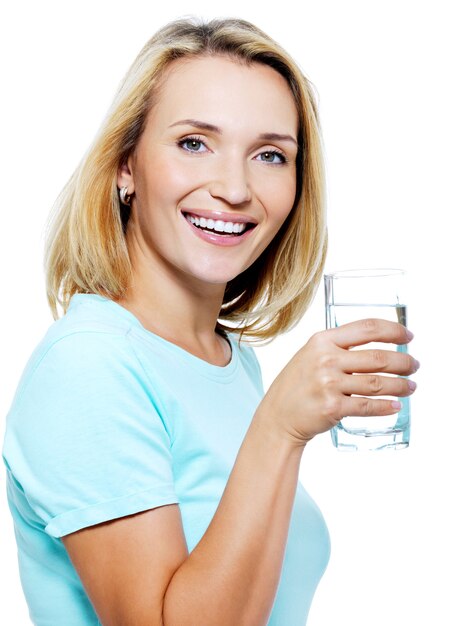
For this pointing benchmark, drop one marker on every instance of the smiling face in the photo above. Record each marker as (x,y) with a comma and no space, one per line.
(213,173)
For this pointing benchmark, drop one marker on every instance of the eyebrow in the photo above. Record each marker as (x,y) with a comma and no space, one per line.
(216,129)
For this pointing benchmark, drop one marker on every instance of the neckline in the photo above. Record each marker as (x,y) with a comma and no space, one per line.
(204,367)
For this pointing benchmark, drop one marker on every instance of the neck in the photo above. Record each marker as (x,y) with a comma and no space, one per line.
(178,308)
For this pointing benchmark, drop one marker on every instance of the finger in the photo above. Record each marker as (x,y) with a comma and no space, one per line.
(364,331)
(373,385)
(367,407)
(371,361)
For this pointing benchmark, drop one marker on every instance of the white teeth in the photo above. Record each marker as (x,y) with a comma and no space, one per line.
(217,225)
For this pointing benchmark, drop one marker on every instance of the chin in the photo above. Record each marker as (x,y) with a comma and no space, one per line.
(215,275)
(217,278)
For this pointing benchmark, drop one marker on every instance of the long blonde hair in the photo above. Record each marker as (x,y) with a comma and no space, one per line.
(86,249)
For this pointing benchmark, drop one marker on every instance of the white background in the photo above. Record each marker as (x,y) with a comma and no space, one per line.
(392,79)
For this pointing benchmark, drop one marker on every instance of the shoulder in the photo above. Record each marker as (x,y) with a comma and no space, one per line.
(92,314)
(89,317)
(84,436)
(90,342)
(245,351)
(249,359)
(83,380)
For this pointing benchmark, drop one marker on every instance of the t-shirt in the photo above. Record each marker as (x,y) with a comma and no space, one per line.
(110,419)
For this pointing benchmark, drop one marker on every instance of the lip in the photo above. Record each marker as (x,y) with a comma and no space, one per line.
(220,215)
(218,240)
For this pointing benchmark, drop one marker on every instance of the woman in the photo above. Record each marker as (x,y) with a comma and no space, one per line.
(149,480)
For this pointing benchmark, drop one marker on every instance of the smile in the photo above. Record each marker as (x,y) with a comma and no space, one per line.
(219,231)
(220,226)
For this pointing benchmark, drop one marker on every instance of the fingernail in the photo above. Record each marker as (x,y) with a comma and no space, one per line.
(396,404)
(409,334)
(417,365)
(411,385)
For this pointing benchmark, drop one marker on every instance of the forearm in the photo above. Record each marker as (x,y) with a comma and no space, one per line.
(231,576)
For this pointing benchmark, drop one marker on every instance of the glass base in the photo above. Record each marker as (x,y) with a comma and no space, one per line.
(357,440)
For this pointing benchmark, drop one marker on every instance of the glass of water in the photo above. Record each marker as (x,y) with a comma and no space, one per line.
(352,295)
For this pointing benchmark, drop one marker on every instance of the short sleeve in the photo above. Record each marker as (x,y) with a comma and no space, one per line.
(86,441)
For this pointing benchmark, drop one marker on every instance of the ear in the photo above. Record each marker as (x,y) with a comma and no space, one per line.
(125,176)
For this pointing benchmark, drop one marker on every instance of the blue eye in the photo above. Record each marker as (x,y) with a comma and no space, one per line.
(192,144)
(272,156)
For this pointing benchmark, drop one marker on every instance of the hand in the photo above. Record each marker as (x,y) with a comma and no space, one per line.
(314,391)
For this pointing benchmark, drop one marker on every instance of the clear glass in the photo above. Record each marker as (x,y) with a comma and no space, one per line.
(369,293)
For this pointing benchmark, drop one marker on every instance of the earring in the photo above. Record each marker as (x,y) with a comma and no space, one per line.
(125,199)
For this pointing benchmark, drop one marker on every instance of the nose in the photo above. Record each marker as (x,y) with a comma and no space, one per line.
(230,183)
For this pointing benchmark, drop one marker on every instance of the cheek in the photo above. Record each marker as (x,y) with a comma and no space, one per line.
(279,199)
(166,182)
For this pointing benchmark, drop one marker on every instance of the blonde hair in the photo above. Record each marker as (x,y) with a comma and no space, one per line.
(86,249)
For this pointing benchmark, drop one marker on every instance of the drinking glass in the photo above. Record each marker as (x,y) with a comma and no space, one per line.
(369,293)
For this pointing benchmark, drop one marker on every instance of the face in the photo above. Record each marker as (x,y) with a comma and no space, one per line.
(214,172)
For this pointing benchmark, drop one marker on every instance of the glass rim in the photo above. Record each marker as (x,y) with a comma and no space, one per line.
(370,272)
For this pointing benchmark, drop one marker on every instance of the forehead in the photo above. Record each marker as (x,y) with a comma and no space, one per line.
(228,91)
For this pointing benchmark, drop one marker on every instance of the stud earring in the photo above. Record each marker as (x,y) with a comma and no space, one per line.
(125,199)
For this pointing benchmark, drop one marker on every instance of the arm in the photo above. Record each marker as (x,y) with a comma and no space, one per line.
(137,571)
(231,577)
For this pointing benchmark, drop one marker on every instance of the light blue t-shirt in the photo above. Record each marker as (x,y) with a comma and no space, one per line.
(108,420)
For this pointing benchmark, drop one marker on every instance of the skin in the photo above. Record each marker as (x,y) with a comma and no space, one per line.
(232,170)
(137,570)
